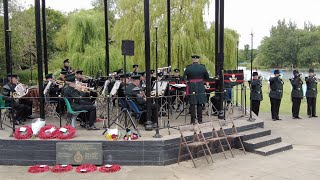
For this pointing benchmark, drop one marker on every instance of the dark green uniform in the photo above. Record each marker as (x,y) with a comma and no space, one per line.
(256,95)
(134,93)
(196,74)
(276,92)
(311,95)
(296,95)
(22,111)
(78,104)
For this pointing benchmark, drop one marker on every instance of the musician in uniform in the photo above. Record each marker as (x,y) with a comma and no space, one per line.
(176,74)
(66,67)
(143,83)
(134,92)
(276,93)
(296,94)
(311,93)
(78,103)
(125,79)
(195,74)
(135,68)
(152,76)
(256,93)
(54,91)
(22,111)
(62,76)
(79,77)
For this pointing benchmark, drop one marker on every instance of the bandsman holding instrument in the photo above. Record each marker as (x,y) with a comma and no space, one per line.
(196,74)
(134,92)
(276,93)
(135,68)
(296,94)
(54,90)
(311,94)
(72,93)
(256,93)
(21,110)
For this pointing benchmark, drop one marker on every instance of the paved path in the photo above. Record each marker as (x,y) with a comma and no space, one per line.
(303,162)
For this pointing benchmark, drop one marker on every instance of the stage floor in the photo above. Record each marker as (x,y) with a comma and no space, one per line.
(84,135)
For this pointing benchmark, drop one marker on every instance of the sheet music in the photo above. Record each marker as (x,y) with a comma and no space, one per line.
(162,86)
(115,88)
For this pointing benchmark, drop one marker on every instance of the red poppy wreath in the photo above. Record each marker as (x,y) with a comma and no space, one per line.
(24,132)
(38,169)
(66,132)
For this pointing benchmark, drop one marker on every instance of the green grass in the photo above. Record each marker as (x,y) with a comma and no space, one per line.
(286,104)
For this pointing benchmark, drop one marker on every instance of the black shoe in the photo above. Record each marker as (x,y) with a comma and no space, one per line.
(278,119)
(274,119)
(296,117)
(93,128)
(315,116)
(310,116)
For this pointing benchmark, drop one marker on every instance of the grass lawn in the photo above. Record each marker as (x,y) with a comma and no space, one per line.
(286,104)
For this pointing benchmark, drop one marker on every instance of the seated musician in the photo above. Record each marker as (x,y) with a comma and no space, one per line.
(134,92)
(143,83)
(62,76)
(176,74)
(66,67)
(22,111)
(152,76)
(79,77)
(78,103)
(135,68)
(125,80)
(54,91)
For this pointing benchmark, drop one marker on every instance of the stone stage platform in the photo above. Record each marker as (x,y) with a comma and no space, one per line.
(146,150)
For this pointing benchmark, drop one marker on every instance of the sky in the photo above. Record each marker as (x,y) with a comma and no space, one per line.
(244,16)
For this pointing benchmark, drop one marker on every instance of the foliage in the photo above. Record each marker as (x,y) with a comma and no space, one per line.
(289,46)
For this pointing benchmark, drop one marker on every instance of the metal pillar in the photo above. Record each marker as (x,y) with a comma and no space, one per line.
(39,56)
(149,125)
(169,31)
(6,32)
(44,36)
(219,48)
(106,23)
(250,117)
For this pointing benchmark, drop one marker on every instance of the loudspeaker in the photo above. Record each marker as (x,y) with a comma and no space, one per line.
(127,47)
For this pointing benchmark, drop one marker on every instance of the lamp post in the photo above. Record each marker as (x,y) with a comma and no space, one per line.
(106,24)
(44,36)
(169,31)
(251,119)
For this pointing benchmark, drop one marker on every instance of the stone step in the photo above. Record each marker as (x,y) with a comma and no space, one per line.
(272,149)
(255,133)
(260,142)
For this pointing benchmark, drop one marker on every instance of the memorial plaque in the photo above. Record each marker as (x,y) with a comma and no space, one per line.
(79,153)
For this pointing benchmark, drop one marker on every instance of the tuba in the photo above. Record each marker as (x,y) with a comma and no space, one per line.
(20,91)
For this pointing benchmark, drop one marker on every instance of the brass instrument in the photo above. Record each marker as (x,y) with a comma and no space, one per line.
(59,82)
(20,91)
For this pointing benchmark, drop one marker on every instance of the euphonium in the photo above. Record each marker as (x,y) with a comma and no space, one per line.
(20,91)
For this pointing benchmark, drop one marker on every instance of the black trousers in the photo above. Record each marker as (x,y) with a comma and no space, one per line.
(27,103)
(91,115)
(311,107)
(255,106)
(143,118)
(296,102)
(193,113)
(275,106)
(22,111)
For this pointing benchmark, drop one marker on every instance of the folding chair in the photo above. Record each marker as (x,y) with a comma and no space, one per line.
(234,135)
(214,137)
(6,113)
(73,114)
(194,143)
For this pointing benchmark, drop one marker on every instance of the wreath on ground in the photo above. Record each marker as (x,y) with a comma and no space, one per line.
(47,132)
(86,168)
(24,132)
(38,169)
(61,168)
(65,132)
(110,168)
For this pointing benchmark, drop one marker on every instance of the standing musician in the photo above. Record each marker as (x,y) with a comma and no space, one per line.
(22,110)
(72,93)
(311,94)
(256,93)
(135,68)
(66,67)
(54,92)
(195,74)
(276,93)
(134,92)
(296,94)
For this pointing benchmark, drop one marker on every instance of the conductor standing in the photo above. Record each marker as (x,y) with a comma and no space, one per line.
(195,74)
(276,92)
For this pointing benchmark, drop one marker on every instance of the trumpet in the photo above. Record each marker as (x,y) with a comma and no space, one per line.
(59,82)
